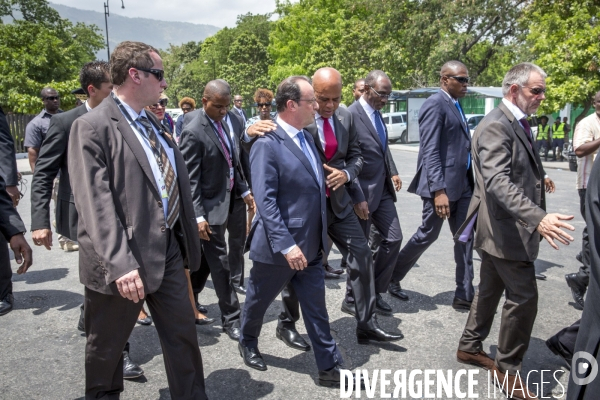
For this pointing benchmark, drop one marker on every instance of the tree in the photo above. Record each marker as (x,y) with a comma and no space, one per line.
(41,50)
(182,80)
(564,39)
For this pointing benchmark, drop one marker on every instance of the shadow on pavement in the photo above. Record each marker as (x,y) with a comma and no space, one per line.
(47,275)
(235,384)
(43,300)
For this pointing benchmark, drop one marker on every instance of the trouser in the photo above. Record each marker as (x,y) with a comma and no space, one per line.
(567,337)
(109,320)
(348,237)
(584,271)
(385,219)
(543,142)
(517,278)
(265,283)
(6,287)
(236,227)
(428,233)
(214,252)
(557,143)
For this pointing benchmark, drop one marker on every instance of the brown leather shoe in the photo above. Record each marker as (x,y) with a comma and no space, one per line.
(512,386)
(480,359)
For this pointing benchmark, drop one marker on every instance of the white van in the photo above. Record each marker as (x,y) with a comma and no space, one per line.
(396,126)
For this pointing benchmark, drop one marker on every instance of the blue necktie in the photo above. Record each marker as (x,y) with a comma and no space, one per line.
(307,154)
(462,116)
(380,129)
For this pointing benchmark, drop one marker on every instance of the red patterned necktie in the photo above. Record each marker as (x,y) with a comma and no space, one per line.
(331,143)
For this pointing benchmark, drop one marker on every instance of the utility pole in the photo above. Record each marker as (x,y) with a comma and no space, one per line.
(106,15)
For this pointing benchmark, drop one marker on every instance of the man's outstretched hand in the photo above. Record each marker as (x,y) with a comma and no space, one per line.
(550,229)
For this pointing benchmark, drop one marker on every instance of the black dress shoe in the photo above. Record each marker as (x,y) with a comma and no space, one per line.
(252,357)
(6,304)
(201,308)
(578,289)
(292,338)
(540,277)
(381,306)
(240,289)
(554,345)
(233,332)
(461,304)
(375,335)
(349,308)
(333,270)
(145,321)
(343,264)
(396,290)
(204,321)
(130,369)
(579,257)
(81,325)
(331,378)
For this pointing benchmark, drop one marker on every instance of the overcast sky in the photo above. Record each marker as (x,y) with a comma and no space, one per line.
(220,13)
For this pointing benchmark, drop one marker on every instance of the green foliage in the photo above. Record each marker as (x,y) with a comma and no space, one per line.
(565,38)
(178,74)
(36,52)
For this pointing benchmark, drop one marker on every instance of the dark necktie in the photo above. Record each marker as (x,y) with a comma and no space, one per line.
(527,129)
(227,153)
(304,148)
(331,143)
(380,129)
(171,185)
(464,121)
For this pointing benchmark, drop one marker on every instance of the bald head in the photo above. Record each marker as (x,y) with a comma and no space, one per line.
(216,88)
(327,76)
(452,67)
(327,83)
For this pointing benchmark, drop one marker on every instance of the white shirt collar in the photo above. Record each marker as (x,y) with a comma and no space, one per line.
(132,113)
(87,106)
(370,110)
(516,111)
(448,94)
(290,130)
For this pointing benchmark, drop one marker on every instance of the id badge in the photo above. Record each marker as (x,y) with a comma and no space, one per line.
(231,173)
(163,188)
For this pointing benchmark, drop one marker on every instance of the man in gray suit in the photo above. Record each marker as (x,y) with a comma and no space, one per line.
(508,212)
(375,197)
(136,228)
(215,176)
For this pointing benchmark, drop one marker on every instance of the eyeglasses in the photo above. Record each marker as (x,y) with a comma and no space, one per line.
(536,91)
(312,101)
(381,95)
(185,109)
(158,73)
(261,105)
(460,79)
(52,98)
(237,101)
(162,102)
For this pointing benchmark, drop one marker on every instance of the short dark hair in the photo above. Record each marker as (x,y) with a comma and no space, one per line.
(94,73)
(289,89)
(46,90)
(357,81)
(217,87)
(373,76)
(130,55)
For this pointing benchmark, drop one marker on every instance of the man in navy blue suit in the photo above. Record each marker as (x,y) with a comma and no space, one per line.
(290,229)
(444,180)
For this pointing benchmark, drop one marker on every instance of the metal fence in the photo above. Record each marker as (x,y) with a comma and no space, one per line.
(17,124)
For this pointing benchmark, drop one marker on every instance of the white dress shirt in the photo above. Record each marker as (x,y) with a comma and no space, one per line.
(319,121)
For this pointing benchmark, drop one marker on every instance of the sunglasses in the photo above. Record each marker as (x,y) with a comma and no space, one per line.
(162,102)
(460,79)
(52,98)
(158,73)
(536,91)
(261,105)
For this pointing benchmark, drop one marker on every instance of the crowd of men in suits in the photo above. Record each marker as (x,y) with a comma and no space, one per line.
(151,216)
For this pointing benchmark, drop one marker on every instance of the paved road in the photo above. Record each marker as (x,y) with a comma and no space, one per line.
(42,354)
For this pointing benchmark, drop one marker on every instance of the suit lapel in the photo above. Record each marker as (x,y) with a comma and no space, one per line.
(454,109)
(293,147)
(314,132)
(367,121)
(338,122)
(520,132)
(210,132)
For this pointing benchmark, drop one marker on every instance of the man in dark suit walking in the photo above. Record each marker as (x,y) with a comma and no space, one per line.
(444,180)
(290,229)
(508,211)
(237,108)
(375,197)
(337,145)
(212,163)
(8,172)
(136,228)
(95,81)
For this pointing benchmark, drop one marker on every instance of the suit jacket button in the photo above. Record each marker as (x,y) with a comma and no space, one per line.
(163,228)
(537,185)
(160,204)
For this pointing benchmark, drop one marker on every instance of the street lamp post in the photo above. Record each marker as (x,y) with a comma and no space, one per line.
(214,67)
(106,15)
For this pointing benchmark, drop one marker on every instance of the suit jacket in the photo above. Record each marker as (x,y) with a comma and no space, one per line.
(121,220)
(8,162)
(509,196)
(376,174)
(444,146)
(10,221)
(243,156)
(347,156)
(290,201)
(51,161)
(209,170)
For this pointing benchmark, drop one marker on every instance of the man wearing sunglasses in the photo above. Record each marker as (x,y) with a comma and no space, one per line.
(444,180)
(36,129)
(136,229)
